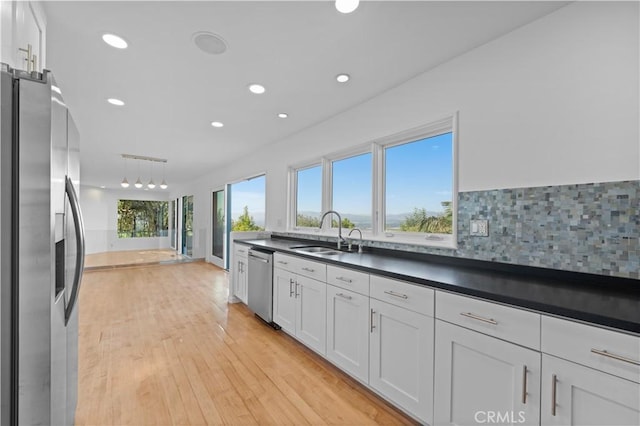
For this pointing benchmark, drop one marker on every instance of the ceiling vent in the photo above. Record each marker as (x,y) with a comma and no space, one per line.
(210,43)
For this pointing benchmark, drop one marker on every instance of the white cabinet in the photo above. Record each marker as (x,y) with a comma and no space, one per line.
(241,266)
(401,357)
(477,376)
(590,376)
(576,395)
(299,307)
(23,27)
(348,331)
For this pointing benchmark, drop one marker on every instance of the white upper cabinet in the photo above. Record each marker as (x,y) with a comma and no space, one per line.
(23,35)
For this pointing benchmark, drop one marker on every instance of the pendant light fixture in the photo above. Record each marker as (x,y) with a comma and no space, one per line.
(151,184)
(347,6)
(164,185)
(138,183)
(125,182)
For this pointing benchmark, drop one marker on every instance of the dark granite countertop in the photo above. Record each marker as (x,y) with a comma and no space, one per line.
(601,300)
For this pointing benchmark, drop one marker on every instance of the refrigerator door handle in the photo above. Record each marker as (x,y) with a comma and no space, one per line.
(79,225)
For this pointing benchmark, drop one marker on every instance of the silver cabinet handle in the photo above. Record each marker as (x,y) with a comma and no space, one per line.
(554,381)
(524,384)
(282,262)
(344,296)
(479,318)
(343,279)
(290,287)
(297,285)
(78,223)
(240,251)
(394,294)
(372,314)
(308,269)
(614,356)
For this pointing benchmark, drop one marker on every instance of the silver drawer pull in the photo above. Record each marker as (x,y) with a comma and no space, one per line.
(282,262)
(479,318)
(614,356)
(308,269)
(346,280)
(344,296)
(394,294)
(554,385)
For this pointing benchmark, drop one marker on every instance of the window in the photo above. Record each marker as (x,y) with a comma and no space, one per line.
(308,197)
(419,186)
(137,218)
(402,188)
(351,191)
(247,200)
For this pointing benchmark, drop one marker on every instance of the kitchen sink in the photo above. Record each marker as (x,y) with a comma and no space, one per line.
(316,250)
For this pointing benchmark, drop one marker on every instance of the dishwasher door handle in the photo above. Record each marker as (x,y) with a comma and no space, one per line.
(260,259)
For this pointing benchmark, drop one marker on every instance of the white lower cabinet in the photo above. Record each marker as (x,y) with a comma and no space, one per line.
(576,395)
(284,302)
(240,283)
(348,331)
(481,379)
(401,358)
(299,307)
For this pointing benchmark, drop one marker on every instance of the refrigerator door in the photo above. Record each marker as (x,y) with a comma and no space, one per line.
(6,156)
(33,221)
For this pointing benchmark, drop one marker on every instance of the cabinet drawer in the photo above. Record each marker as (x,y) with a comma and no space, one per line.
(284,261)
(304,267)
(410,296)
(348,279)
(605,350)
(240,250)
(511,324)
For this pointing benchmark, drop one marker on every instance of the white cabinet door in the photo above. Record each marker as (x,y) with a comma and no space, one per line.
(584,396)
(311,318)
(348,331)
(284,301)
(478,378)
(22,25)
(401,358)
(241,289)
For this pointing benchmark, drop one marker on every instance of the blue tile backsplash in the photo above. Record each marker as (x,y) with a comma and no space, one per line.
(592,228)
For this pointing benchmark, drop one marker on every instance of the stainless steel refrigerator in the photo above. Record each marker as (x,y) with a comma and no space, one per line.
(41,251)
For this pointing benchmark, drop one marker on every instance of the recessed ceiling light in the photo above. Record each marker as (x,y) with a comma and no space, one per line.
(217,124)
(258,89)
(102,186)
(209,43)
(114,41)
(283,115)
(347,6)
(342,78)
(114,101)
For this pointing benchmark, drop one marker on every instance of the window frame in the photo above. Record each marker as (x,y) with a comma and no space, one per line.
(377,148)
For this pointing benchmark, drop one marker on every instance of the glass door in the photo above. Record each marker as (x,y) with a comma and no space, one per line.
(218,227)
(173,231)
(187,225)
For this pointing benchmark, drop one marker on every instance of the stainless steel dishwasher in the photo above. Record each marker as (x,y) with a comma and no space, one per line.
(260,284)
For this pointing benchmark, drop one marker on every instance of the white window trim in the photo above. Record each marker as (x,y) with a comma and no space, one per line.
(445,124)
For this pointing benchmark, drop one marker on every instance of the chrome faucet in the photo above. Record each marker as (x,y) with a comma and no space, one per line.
(340,239)
(360,244)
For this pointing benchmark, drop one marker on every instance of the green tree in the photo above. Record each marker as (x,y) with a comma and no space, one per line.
(346,223)
(140,218)
(245,222)
(307,221)
(420,221)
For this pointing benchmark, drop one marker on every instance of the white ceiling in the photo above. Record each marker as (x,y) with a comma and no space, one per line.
(173,90)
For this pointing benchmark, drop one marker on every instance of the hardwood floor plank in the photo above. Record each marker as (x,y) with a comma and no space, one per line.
(161,345)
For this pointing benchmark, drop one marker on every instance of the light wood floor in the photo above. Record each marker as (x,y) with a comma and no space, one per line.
(130,257)
(160,345)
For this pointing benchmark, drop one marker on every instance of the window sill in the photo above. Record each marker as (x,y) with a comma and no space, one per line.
(447,241)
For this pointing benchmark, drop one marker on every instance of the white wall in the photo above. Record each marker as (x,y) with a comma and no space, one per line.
(554,102)
(100,213)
